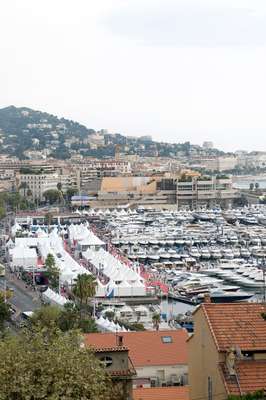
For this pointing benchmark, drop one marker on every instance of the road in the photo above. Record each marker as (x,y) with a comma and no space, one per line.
(21,299)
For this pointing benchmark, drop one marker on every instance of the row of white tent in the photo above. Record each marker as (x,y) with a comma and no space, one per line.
(92,212)
(83,235)
(124,281)
(103,324)
(109,326)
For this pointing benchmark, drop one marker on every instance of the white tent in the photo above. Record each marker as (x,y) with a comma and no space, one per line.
(125,280)
(24,257)
(10,243)
(51,297)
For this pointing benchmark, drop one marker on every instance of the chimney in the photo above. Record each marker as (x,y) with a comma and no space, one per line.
(119,341)
(207,298)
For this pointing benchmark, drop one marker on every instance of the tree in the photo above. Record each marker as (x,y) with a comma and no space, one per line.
(46,317)
(65,319)
(2,212)
(83,290)
(29,193)
(23,186)
(70,192)
(48,219)
(5,311)
(156,319)
(251,186)
(51,195)
(61,196)
(38,365)
(52,271)
(110,315)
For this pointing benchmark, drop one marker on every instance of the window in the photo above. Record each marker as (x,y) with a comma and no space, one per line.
(167,339)
(106,361)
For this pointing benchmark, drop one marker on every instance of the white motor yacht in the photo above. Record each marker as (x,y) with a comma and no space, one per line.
(194,252)
(227,254)
(205,254)
(216,253)
(245,253)
(173,254)
(236,253)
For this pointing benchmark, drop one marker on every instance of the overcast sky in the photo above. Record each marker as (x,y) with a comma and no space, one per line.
(175,69)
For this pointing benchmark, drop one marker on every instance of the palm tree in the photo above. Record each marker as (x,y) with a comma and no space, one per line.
(48,220)
(52,271)
(29,193)
(251,186)
(23,186)
(156,319)
(84,289)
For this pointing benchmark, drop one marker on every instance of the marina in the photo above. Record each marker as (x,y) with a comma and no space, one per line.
(160,261)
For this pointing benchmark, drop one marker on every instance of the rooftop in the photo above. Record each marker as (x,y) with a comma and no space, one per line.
(147,348)
(161,393)
(104,349)
(237,324)
(251,376)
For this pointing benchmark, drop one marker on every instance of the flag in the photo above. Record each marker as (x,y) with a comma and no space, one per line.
(110,295)
(109,292)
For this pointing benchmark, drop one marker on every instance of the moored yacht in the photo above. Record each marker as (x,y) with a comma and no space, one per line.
(216,253)
(205,254)
(227,254)
(221,296)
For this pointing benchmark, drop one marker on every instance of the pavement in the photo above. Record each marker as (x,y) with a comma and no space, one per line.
(23,299)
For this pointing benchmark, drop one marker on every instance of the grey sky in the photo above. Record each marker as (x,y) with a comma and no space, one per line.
(176,69)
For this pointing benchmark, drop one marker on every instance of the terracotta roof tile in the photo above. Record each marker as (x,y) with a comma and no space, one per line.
(147,348)
(251,377)
(237,324)
(161,393)
(124,372)
(103,349)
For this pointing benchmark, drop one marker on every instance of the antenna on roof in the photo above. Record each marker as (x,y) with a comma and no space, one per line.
(239,354)
(230,361)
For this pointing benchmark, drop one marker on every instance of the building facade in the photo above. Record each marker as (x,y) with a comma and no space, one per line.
(227,351)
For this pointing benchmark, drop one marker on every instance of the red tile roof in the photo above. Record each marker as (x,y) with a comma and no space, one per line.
(161,393)
(237,324)
(147,348)
(251,376)
(103,349)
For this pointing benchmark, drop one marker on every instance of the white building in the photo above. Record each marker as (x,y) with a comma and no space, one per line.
(39,183)
(220,163)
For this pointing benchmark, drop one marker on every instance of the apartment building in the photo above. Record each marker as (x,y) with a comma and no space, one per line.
(219,163)
(189,191)
(92,171)
(252,160)
(159,357)
(205,191)
(227,351)
(38,183)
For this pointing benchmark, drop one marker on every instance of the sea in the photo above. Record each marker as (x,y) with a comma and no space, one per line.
(243,182)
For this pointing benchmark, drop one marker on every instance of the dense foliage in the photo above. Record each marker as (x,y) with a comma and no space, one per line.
(65,319)
(40,364)
(258,395)
(23,129)
(5,311)
(52,272)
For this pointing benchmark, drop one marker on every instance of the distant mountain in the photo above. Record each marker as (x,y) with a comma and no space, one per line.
(23,130)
